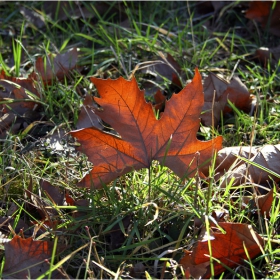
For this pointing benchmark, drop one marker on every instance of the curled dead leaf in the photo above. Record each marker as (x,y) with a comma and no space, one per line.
(266,157)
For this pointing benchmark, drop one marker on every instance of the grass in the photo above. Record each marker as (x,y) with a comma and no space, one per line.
(139,224)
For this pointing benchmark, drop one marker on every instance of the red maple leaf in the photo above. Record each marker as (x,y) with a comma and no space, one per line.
(142,138)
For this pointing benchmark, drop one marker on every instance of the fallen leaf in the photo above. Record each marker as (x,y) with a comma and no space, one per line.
(238,94)
(163,68)
(20,107)
(262,12)
(171,140)
(176,81)
(8,123)
(15,89)
(116,235)
(27,258)
(43,206)
(220,215)
(87,117)
(266,156)
(32,17)
(69,200)
(227,247)
(62,10)
(214,84)
(209,7)
(20,225)
(160,100)
(214,88)
(137,270)
(193,269)
(259,10)
(54,66)
(264,202)
(52,192)
(82,203)
(259,204)
(219,90)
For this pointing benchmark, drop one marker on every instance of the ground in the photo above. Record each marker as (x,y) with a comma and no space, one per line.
(138,225)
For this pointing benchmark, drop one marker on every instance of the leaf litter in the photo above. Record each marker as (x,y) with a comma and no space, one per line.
(216,89)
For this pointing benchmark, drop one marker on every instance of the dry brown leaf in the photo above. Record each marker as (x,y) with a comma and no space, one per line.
(264,202)
(63,10)
(239,95)
(82,203)
(52,192)
(219,90)
(87,117)
(20,107)
(32,17)
(116,235)
(137,271)
(260,204)
(160,100)
(214,84)
(54,66)
(193,269)
(43,206)
(15,89)
(21,226)
(164,67)
(267,156)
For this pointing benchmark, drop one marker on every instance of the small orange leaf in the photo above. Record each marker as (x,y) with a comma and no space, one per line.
(227,247)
